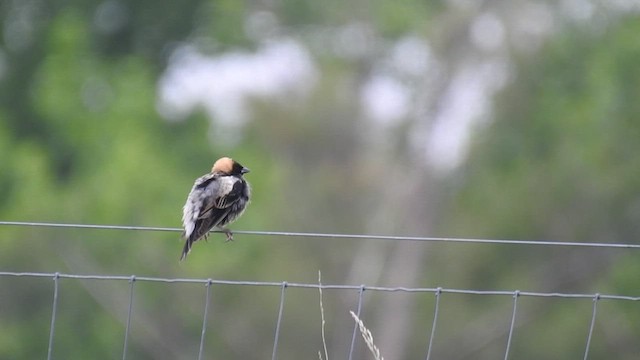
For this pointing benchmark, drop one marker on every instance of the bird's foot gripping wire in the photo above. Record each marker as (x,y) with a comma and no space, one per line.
(229,235)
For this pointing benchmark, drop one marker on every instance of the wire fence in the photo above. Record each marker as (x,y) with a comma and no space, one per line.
(360,289)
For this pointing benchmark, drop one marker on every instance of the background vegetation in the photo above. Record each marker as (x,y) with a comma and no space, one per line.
(499,119)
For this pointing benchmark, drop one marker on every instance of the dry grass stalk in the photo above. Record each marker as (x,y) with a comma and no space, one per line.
(368,338)
(324,341)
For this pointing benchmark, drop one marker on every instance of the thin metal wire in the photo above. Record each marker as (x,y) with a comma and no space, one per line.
(87,226)
(324,286)
(516,295)
(209,282)
(54,306)
(204,319)
(132,281)
(355,326)
(338,236)
(275,340)
(435,321)
(592,325)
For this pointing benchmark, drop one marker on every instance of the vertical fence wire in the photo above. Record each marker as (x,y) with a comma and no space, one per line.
(591,326)
(516,295)
(435,321)
(275,340)
(204,319)
(54,310)
(132,281)
(284,285)
(355,326)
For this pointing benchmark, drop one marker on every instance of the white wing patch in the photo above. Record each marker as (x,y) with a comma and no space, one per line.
(225,185)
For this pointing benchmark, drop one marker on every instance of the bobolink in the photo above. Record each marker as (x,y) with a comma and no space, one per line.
(216,199)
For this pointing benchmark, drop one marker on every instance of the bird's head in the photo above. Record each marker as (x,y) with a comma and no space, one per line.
(228,166)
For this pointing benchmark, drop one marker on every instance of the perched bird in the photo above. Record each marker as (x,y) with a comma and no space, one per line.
(216,199)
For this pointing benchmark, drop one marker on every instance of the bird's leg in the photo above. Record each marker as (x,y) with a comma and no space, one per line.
(228,233)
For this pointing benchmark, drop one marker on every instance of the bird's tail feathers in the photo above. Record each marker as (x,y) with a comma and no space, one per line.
(187,248)
(199,231)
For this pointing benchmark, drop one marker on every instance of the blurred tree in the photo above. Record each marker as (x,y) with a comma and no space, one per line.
(82,142)
(559,163)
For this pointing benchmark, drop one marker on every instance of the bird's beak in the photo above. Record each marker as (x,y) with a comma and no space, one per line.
(244,170)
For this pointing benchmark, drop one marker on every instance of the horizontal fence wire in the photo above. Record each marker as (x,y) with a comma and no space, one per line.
(279,284)
(283,285)
(335,236)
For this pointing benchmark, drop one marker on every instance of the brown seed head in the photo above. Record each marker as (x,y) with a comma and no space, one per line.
(223,165)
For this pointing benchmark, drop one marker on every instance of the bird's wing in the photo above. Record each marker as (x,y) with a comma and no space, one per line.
(216,206)
(231,194)
(229,191)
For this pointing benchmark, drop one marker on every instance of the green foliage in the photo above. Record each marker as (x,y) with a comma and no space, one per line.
(559,163)
(81,142)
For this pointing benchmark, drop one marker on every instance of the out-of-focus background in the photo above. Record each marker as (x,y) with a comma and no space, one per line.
(512,119)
